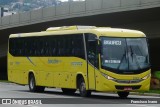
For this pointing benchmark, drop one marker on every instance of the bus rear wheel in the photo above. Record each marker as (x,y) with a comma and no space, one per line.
(123,94)
(82,88)
(68,91)
(32,85)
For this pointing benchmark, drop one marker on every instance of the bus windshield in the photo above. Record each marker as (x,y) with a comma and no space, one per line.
(124,55)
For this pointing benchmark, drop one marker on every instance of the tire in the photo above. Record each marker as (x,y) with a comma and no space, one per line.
(123,94)
(32,85)
(82,88)
(68,91)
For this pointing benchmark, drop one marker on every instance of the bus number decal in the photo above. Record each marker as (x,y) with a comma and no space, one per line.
(14,63)
(54,61)
(109,42)
(113,61)
(76,63)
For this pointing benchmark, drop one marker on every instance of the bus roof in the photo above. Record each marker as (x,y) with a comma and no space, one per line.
(99,31)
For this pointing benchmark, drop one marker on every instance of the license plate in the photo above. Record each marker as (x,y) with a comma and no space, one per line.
(127,88)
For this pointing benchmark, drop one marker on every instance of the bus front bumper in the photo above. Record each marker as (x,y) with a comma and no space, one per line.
(111,85)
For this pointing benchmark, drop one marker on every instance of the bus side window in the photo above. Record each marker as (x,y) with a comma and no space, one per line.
(77,46)
(92,44)
(12,46)
(25,46)
(32,47)
(19,47)
(41,47)
(49,47)
(35,47)
(73,49)
(61,46)
(65,48)
(69,47)
(46,48)
(38,47)
(58,47)
(54,48)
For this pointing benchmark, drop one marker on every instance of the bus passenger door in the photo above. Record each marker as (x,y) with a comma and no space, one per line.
(91,45)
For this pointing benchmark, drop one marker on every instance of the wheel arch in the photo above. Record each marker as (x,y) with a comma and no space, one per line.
(30,72)
(78,77)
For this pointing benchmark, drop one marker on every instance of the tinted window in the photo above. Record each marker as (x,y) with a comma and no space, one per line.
(92,45)
(64,45)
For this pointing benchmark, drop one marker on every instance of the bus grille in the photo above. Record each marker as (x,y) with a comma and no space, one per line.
(128,81)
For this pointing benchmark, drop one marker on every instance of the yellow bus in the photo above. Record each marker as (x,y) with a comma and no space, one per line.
(86,58)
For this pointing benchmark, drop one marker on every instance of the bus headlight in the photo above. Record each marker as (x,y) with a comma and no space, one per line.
(108,77)
(147,76)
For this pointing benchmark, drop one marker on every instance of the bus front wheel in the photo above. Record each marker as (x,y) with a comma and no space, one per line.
(123,94)
(32,85)
(82,88)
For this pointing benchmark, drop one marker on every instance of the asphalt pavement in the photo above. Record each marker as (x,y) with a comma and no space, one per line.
(13,95)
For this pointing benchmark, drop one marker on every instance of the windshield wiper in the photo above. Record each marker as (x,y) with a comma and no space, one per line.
(124,56)
(132,55)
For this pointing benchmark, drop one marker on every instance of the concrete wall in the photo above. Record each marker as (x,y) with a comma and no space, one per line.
(24,17)
(130,2)
(93,5)
(36,15)
(75,9)
(63,9)
(111,3)
(5,20)
(14,19)
(49,12)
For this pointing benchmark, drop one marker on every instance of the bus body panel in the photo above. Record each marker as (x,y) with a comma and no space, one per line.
(48,71)
(91,77)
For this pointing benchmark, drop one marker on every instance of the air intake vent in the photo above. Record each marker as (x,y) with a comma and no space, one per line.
(128,81)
